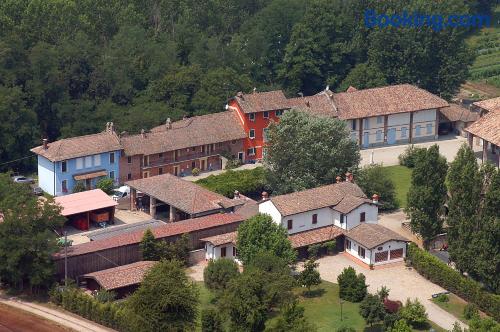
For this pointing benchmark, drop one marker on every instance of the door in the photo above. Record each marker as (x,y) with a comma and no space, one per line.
(381,256)
(202,164)
(176,170)
(366,140)
(396,253)
(391,136)
(241,155)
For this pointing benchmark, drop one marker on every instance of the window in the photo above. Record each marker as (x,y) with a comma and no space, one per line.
(367,123)
(380,119)
(129,160)
(193,164)
(129,176)
(379,135)
(251,116)
(429,128)
(417,130)
(145,160)
(193,148)
(112,175)
(145,175)
(289,224)
(265,133)
(112,158)
(315,219)
(235,253)
(160,171)
(88,161)
(278,112)
(79,163)
(64,166)
(160,155)
(223,252)
(251,152)
(252,133)
(64,186)
(348,244)
(265,115)
(341,218)
(361,252)
(362,217)
(403,132)
(97,160)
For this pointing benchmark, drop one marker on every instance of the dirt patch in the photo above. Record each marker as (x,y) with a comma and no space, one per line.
(482,89)
(15,320)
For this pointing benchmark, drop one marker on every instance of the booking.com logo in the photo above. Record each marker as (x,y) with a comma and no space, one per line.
(416,20)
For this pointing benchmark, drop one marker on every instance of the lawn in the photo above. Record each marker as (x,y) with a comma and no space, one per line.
(401,176)
(454,306)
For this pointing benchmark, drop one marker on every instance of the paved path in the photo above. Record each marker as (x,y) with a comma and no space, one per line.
(67,320)
(403,283)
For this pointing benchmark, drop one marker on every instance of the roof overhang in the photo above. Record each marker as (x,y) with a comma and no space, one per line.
(90,175)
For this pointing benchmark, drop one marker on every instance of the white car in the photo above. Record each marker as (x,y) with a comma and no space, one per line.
(22,179)
(123,191)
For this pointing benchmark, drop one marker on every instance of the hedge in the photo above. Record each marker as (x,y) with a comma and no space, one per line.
(250,182)
(108,314)
(438,272)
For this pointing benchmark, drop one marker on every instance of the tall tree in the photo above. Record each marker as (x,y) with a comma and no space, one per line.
(309,276)
(149,247)
(375,180)
(305,151)
(427,194)
(372,309)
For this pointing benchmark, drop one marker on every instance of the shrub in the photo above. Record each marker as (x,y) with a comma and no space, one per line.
(442,298)
(352,287)
(211,320)
(219,272)
(401,326)
(79,187)
(250,182)
(345,329)
(414,313)
(390,319)
(438,272)
(195,171)
(372,309)
(471,311)
(310,275)
(104,296)
(330,246)
(409,156)
(106,185)
(313,250)
(233,163)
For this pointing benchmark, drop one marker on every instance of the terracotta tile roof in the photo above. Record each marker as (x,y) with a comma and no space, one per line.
(314,236)
(456,112)
(487,127)
(492,104)
(184,195)
(262,101)
(385,100)
(122,276)
(320,104)
(80,146)
(372,235)
(168,230)
(84,201)
(344,196)
(221,239)
(195,131)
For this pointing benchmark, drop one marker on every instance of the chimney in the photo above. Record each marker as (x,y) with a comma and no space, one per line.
(168,123)
(265,196)
(45,143)
(375,198)
(349,177)
(236,194)
(327,88)
(143,133)
(338,179)
(111,127)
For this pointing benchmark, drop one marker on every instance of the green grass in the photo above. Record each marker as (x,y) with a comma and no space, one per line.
(401,176)
(454,306)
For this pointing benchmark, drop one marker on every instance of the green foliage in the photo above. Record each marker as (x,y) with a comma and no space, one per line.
(440,273)
(409,157)
(313,250)
(374,180)
(79,187)
(427,194)
(483,325)
(105,296)
(305,151)
(352,287)
(177,250)
(330,246)
(260,234)
(211,320)
(390,320)
(470,311)
(248,182)
(456,327)
(443,298)
(383,293)
(372,309)
(28,237)
(363,76)
(166,300)
(291,319)
(106,185)
(345,329)
(219,273)
(195,171)
(309,276)
(413,312)
(400,326)
(149,247)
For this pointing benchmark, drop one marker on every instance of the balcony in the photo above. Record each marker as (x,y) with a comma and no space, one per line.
(186,156)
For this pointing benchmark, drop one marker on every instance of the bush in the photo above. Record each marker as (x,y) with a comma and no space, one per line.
(79,187)
(233,163)
(313,250)
(414,313)
(374,180)
(471,311)
(106,184)
(330,246)
(195,171)
(105,296)
(438,272)
(352,287)
(442,298)
(219,272)
(249,182)
(346,329)
(211,320)
(409,156)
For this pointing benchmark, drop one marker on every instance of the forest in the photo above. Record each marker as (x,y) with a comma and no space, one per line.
(69,66)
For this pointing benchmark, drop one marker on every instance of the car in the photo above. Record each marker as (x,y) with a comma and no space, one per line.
(121,192)
(37,191)
(22,179)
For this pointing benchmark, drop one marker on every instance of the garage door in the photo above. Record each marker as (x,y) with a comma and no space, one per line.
(397,253)
(381,256)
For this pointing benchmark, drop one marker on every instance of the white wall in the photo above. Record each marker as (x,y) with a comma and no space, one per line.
(352,220)
(354,252)
(303,221)
(398,119)
(213,252)
(46,176)
(370,253)
(269,208)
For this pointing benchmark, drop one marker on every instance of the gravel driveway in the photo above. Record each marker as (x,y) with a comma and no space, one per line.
(402,283)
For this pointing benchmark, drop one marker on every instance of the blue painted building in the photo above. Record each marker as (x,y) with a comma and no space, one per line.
(61,164)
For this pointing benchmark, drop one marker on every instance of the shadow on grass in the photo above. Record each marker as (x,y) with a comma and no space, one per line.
(374,328)
(313,293)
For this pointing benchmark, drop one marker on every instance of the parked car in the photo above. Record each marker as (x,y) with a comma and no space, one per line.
(123,191)
(37,191)
(22,179)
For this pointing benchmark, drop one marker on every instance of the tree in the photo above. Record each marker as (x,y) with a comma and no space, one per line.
(149,246)
(363,76)
(372,309)
(79,187)
(28,237)
(291,319)
(166,300)
(413,312)
(352,287)
(309,276)
(427,194)
(261,234)
(483,325)
(374,180)
(106,185)
(219,273)
(383,293)
(177,250)
(211,321)
(400,326)
(305,151)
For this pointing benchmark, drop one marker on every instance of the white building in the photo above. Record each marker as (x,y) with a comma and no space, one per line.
(221,246)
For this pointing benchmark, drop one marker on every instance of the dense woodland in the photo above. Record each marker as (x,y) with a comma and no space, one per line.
(69,66)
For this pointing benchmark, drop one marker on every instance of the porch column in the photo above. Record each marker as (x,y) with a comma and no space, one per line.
(133,197)
(410,135)
(173,211)
(470,140)
(436,129)
(485,151)
(361,132)
(152,206)
(386,123)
